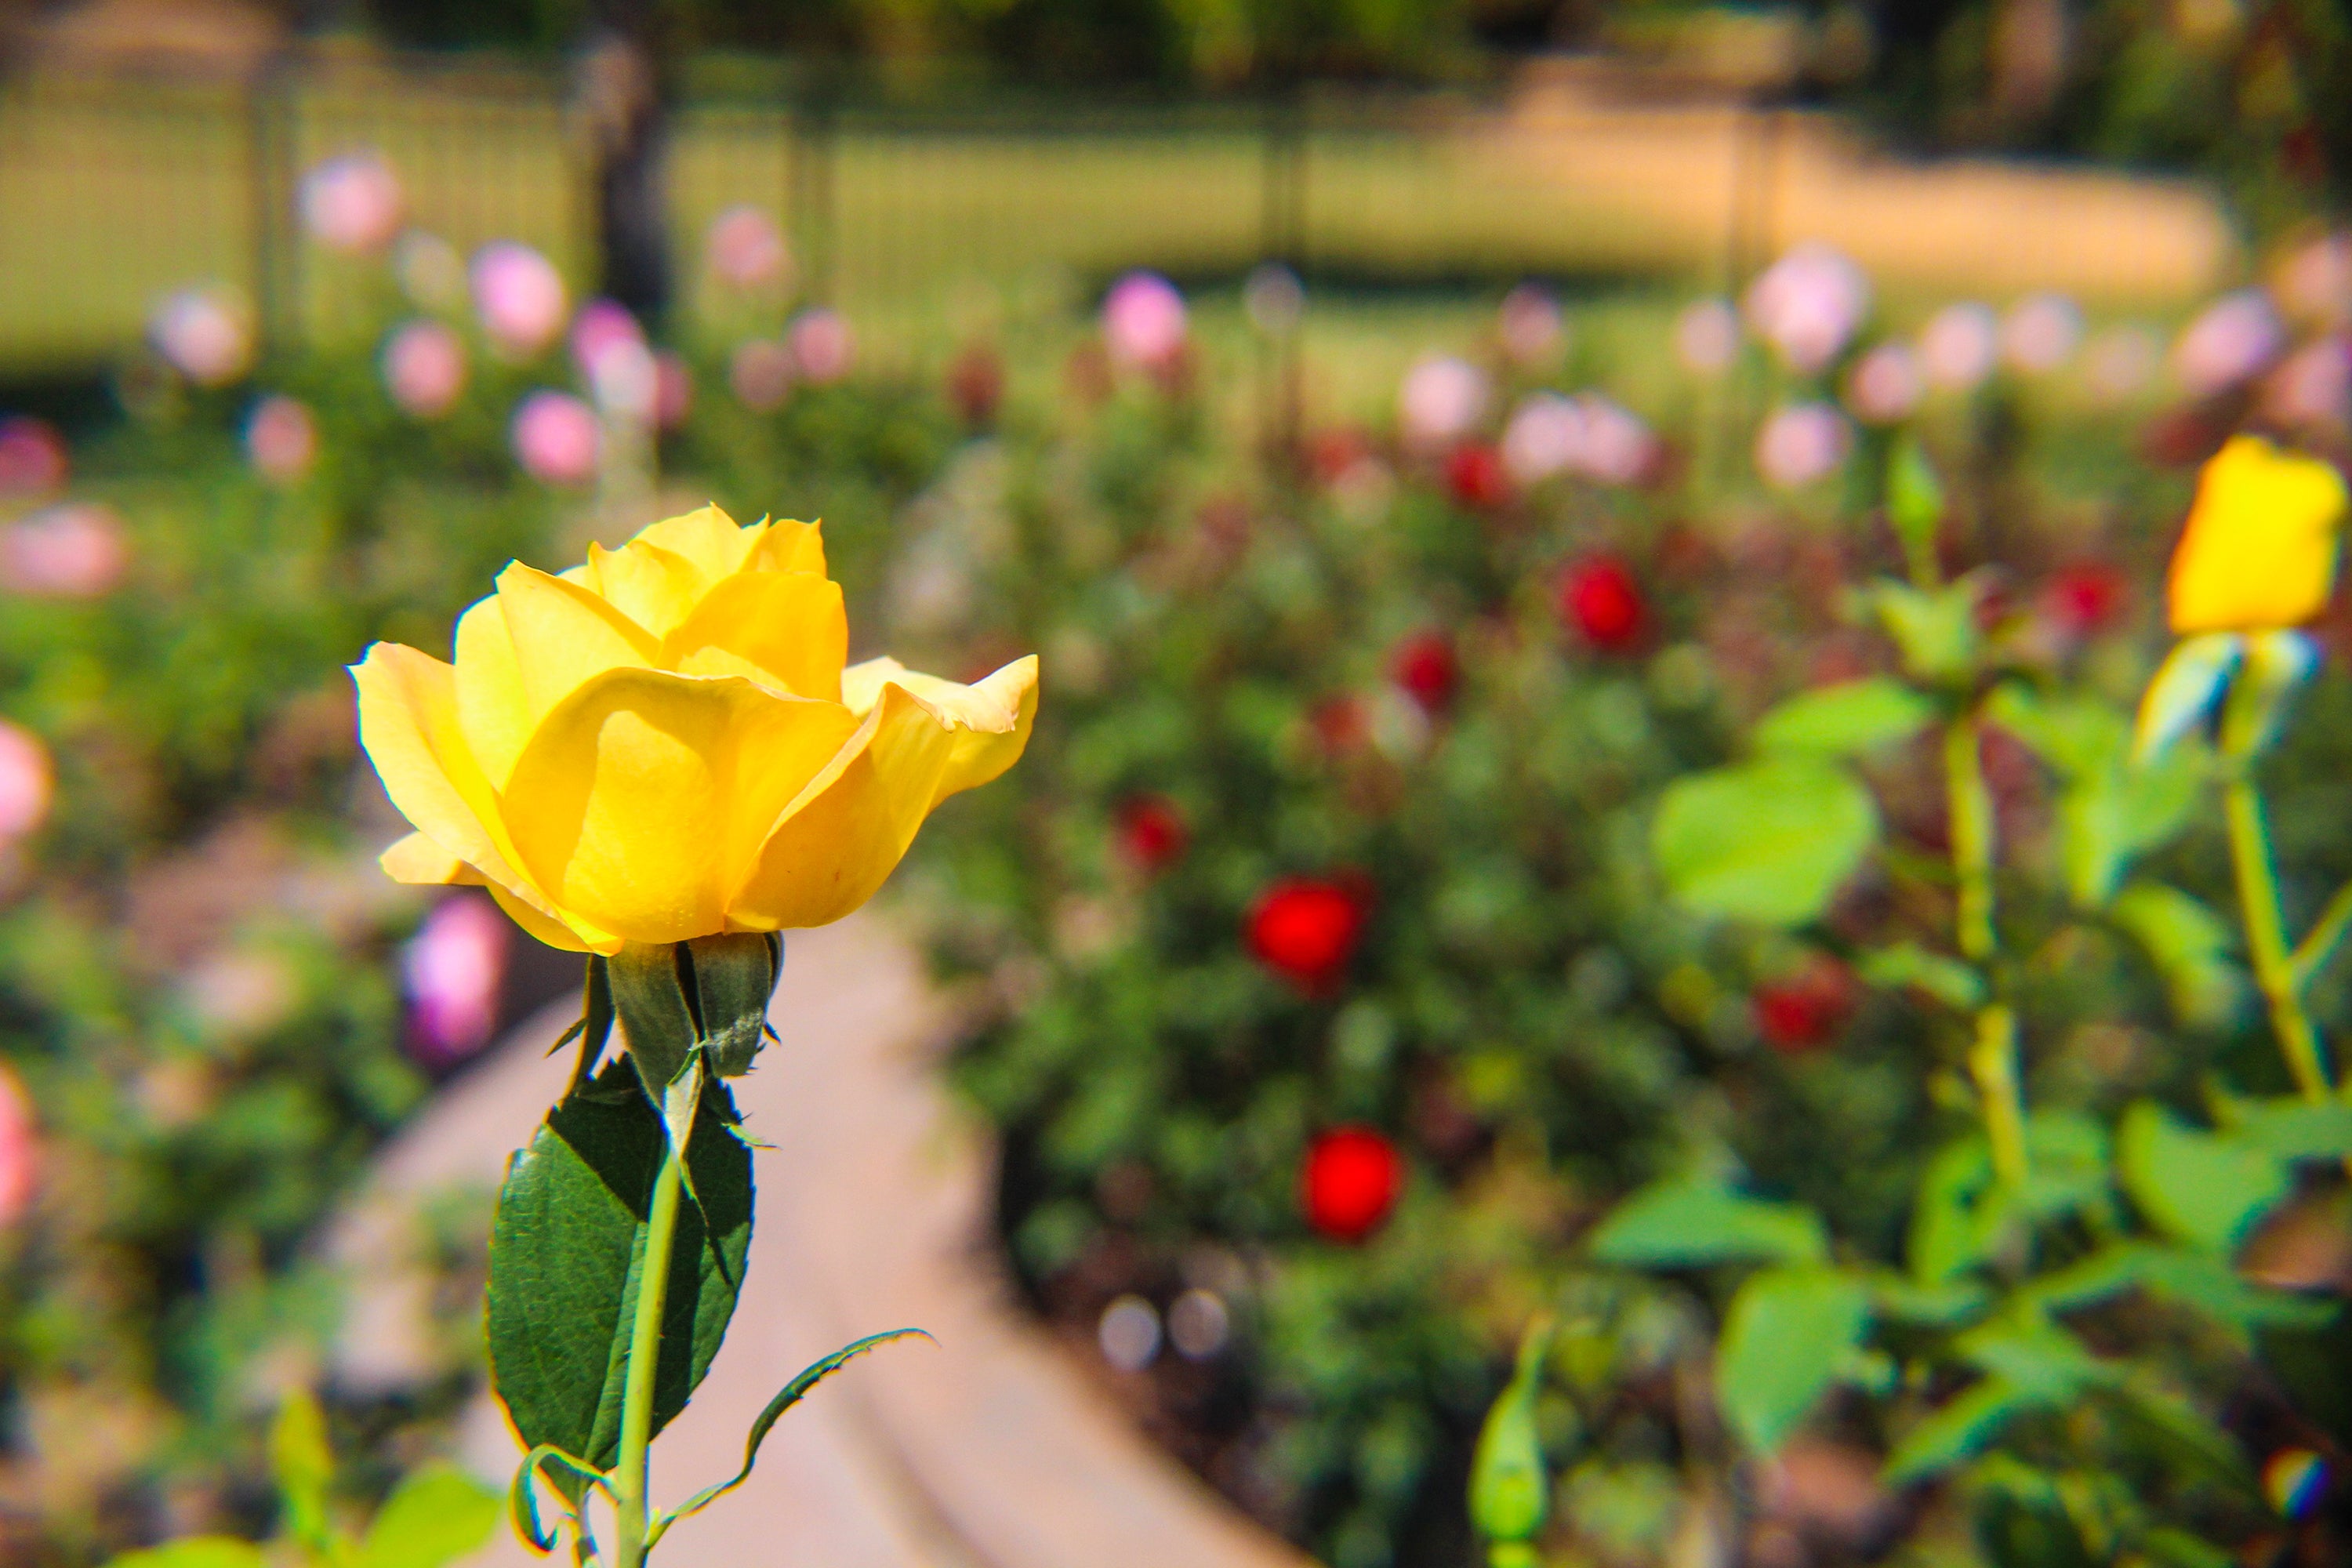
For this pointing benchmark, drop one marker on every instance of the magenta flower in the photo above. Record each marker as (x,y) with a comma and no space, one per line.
(352,204)
(520,297)
(19,1149)
(2232,341)
(822,346)
(281,439)
(1143,320)
(205,334)
(745,249)
(423,369)
(1441,400)
(2313,385)
(74,550)
(557,438)
(453,971)
(1544,439)
(1808,304)
(1884,384)
(26,781)
(1959,344)
(1619,449)
(33,459)
(610,349)
(1802,443)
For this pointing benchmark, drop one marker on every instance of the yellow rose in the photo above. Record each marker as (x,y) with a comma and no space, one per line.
(663,745)
(2258,552)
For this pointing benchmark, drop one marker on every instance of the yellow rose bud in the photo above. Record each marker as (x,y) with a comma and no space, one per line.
(2258,552)
(663,745)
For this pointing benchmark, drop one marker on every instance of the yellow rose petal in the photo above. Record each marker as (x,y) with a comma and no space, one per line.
(564,635)
(550,931)
(418,862)
(990,718)
(655,588)
(643,800)
(792,625)
(2259,550)
(708,537)
(492,711)
(789,546)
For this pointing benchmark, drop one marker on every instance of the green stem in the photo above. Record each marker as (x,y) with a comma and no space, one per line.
(1992,1057)
(632,1476)
(2276,970)
(2318,943)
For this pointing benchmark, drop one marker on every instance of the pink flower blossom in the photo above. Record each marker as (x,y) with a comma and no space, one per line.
(1441,400)
(520,297)
(601,327)
(205,334)
(673,390)
(2042,333)
(1808,304)
(2315,283)
(1707,337)
(352,204)
(1884,384)
(2233,339)
(1544,439)
(33,458)
(822,346)
(26,781)
(281,439)
(611,350)
(745,249)
(557,438)
(1528,324)
(2313,385)
(1619,449)
(1802,444)
(453,970)
(424,368)
(2121,360)
(1143,320)
(759,374)
(19,1149)
(71,550)
(1959,344)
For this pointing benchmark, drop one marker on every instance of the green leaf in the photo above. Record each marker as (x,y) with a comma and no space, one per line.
(2109,810)
(1914,505)
(2276,663)
(2035,1356)
(2294,1129)
(1851,719)
(2195,1186)
(304,1467)
(2171,1548)
(2187,685)
(2189,946)
(1955,984)
(1963,1428)
(195,1551)
(565,1253)
(1941,1306)
(523,1495)
(1509,1489)
(1935,628)
(734,976)
(436,1515)
(2199,1280)
(1675,1224)
(649,992)
(792,1393)
(1957,1216)
(1769,841)
(1788,1333)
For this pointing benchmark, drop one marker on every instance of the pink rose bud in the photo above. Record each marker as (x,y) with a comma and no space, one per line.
(822,346)
(1707,337)
(2315,283)
(32,456)
(1802,443)
(1441,400)
(520,297)
(1619,449)
(2235,339)
(1544,439)
(759,374)
(424,369)
(673,390)
(1808,304)
(352,204)
(281,439)
(19,1149)
(204,334)
(1528,324)
(1885,385)
(26,781)
(71,550)
(557,438)
(745,249)
(2313,385)
(2042,333)
(1143,320)
(452,971)
(602,328)
(1959,344)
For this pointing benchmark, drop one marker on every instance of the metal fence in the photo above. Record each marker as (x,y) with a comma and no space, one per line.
(114,190)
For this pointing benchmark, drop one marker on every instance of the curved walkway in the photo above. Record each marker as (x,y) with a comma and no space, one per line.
(986,1451)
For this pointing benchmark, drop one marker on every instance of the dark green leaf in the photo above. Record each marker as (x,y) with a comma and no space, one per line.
(1851,719)
(2295,1129)
(733,978)
(565,1254)
(522,1494)
(657,1020)
(1788,1333)
(436,1515)
(595,1027)
(2037,1357)
(1940,1306)
(2193,1185)
(1678,1224)
(1769,841)
(1963,1428)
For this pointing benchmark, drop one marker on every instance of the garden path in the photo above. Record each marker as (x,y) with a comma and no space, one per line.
(988,1450)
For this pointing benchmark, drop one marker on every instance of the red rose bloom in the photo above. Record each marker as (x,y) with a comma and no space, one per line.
(1599,598)
(1305,930)
(1423,665)
(1806,1010)
(2086,598)
(1475,477)
(1349,1182)
(1152,832)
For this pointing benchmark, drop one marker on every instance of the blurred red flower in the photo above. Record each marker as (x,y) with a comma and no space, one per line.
(1152,834)
(1475,477)
(1306,929)
(2086,597)
(1423,665)
(1349,1182)
(1600,598)
(976,384)
(1806,1010)
(1341,724)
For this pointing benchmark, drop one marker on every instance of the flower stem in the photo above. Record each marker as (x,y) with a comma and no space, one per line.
(1992,1058)
(632,1476)
(2276,970)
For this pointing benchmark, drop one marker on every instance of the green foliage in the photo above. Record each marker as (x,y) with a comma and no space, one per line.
(1509,1490)
(1787,1337)
(1769,841)
(1680,1225)
(2204,1190)
(1853,719)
